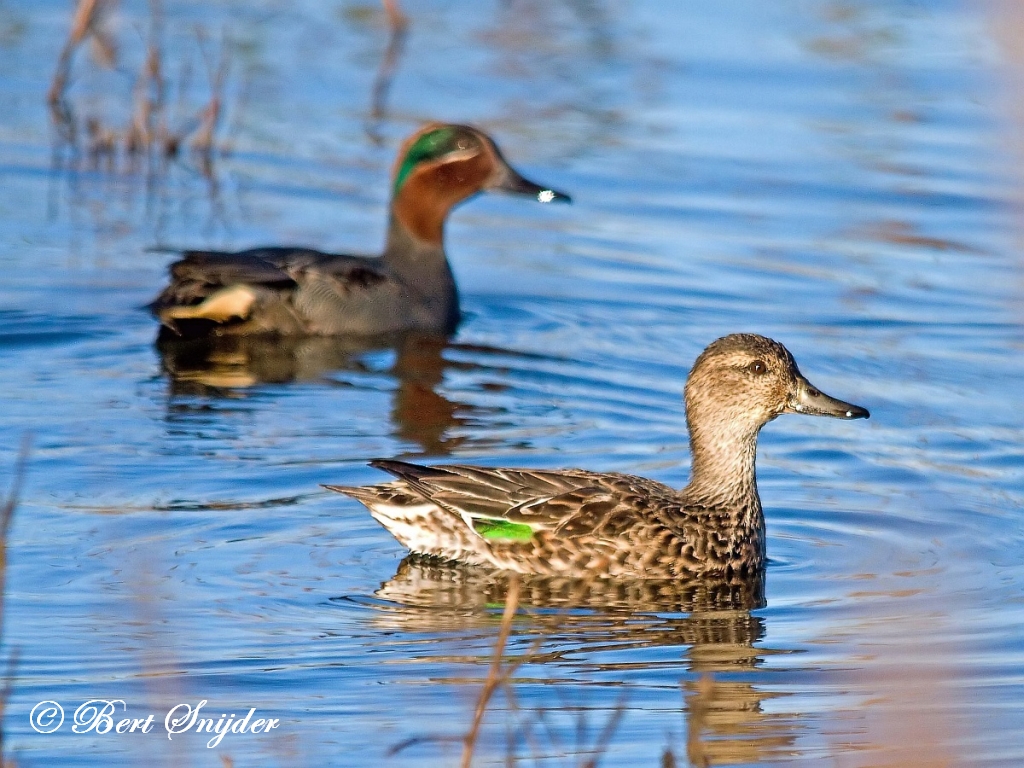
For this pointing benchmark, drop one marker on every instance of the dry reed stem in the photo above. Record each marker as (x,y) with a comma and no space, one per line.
(6,516)
(495,677)
(386,73)
(209,116)
(399,26)
(396,19)
(82,24)
(605,738)
(147,128)
(499,675)
(83,21)
(139,136)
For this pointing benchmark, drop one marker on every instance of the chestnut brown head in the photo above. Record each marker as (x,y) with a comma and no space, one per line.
(441,165)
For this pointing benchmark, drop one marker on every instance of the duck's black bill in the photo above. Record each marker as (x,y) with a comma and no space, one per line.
(811,401)
(511,182)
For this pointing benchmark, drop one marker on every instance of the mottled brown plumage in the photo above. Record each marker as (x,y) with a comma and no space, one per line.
(580,523)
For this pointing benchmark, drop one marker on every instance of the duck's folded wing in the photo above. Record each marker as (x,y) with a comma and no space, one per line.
(588,511)
(214,285)
(515,503)
(200,273)
(259,266)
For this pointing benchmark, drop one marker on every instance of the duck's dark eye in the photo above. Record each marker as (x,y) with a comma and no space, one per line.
(758,368)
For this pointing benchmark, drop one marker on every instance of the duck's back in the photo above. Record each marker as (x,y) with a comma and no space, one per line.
(290,291)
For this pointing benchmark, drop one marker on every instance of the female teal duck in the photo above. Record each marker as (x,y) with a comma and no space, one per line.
(578,523)
(297,291)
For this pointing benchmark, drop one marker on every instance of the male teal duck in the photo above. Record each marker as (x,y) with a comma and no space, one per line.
(577,523)
(298,291)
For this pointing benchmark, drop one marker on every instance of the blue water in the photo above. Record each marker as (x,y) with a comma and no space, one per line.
(840,176)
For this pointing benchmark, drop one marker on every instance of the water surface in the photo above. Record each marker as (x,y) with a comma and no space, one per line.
(840,176)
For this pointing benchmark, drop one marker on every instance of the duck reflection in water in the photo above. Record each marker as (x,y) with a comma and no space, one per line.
(223,366)
(705,628)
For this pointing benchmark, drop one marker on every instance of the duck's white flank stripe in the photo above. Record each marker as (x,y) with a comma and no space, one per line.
(414,526)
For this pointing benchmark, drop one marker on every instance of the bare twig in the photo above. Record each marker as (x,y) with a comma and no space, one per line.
(102,141)
(5,695)
(386,73)
(173,138)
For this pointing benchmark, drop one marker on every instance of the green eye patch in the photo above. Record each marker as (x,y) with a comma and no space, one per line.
(429,146)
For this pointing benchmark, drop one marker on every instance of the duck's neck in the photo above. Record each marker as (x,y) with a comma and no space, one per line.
(420,211)
(421,265)
(403,245)
(723,466)
(724,487)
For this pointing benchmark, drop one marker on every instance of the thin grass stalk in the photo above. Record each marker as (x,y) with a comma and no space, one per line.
(495,677)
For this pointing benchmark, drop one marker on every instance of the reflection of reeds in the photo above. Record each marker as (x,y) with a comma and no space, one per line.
(148,132)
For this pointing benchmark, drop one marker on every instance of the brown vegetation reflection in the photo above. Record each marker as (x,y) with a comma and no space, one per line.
(420,413)
(709,621)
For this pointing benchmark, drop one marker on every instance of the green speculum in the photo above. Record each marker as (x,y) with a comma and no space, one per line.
(503,530)
(429,146)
